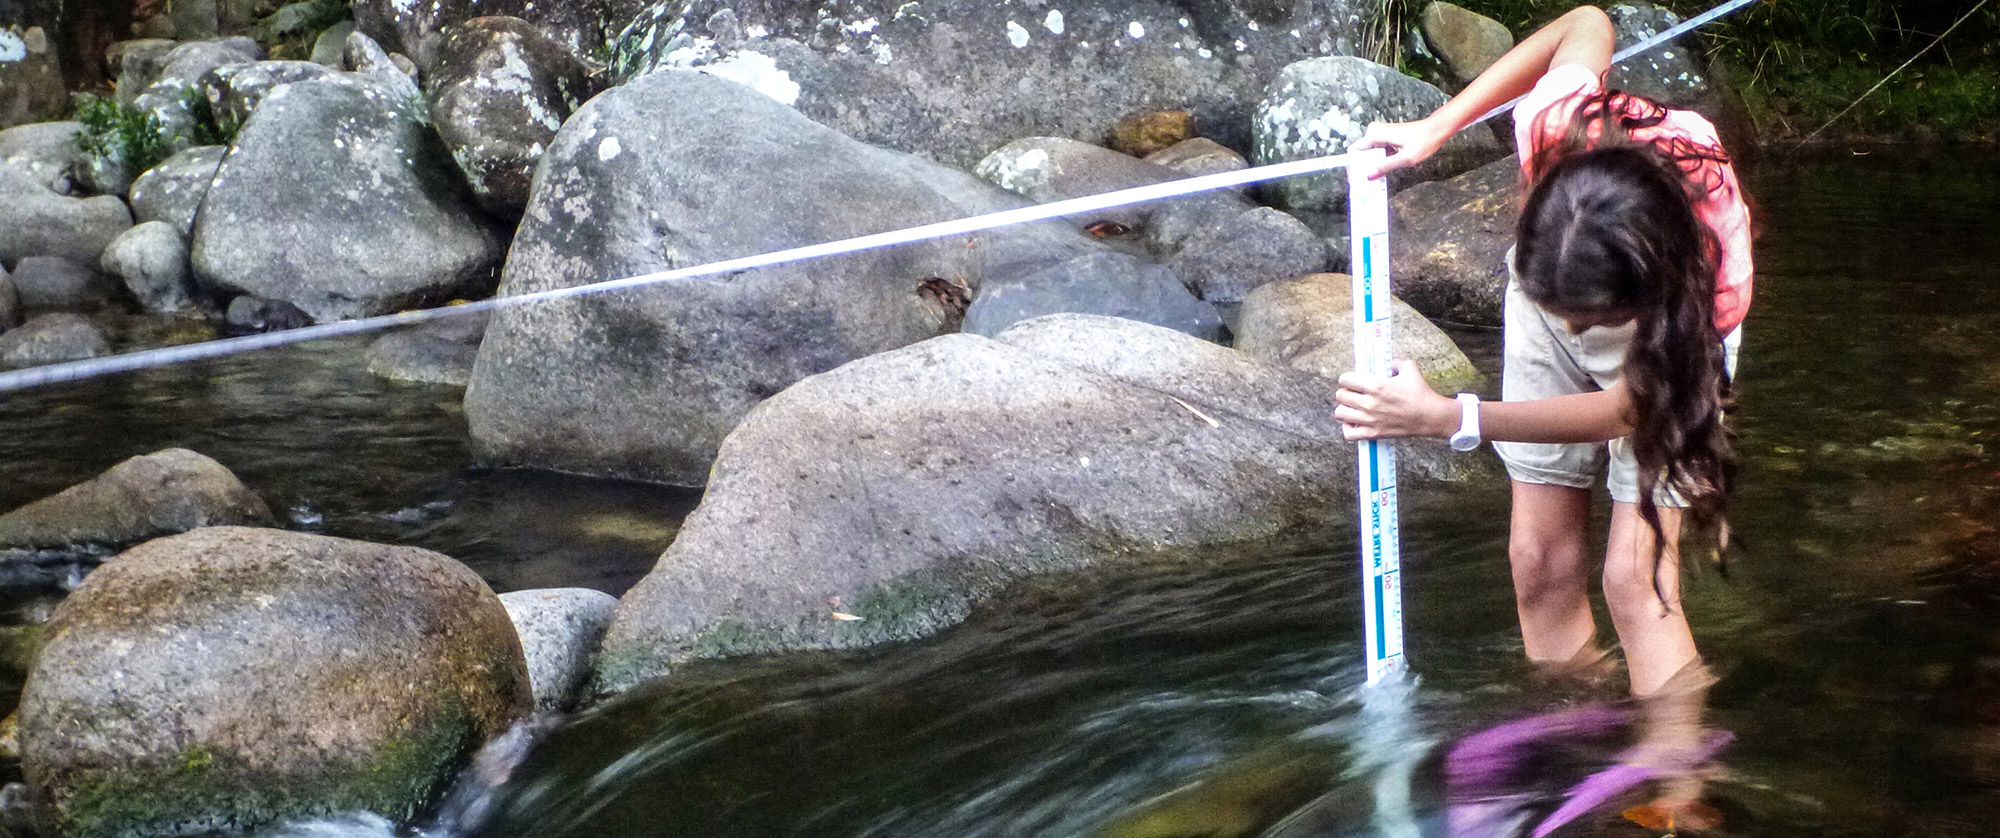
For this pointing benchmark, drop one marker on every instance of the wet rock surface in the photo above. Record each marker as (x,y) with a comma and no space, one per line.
(165,492)
(237,677)
(904,487)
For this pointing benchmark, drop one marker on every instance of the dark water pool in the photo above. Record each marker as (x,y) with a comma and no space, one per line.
(1857,637)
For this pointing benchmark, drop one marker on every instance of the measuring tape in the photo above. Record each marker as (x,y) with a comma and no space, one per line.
(1381,542)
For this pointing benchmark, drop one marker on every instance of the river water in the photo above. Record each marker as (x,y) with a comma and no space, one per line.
(1855,635)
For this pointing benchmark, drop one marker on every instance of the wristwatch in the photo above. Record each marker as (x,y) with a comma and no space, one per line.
(1467,436)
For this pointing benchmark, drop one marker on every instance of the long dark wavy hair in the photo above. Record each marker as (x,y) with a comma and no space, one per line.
(1609,225)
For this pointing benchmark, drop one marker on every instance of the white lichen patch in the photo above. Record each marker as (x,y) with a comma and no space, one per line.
(12,46)
(860,27)
(1054,22)
(880,49)
(1017,34)
(1137,30)
(1016,172)
(759,72)
(608,148)
(756,30)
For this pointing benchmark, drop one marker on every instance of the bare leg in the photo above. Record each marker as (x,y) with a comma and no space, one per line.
(1545,546)
(1654,632)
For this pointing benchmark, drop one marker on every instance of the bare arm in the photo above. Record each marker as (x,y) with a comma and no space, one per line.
(1583,36)
(1405,405)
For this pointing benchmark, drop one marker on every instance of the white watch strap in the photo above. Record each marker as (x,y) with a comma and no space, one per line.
(1467,436)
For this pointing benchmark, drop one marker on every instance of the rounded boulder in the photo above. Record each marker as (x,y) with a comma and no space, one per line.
(234,677)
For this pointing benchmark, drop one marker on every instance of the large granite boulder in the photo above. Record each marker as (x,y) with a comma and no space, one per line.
(906,487)
(1112,284)
(500,91)
(173,191)
(954,79)
(157,494)
(1448,243)
(51,338)
(231,678)
(1321,106)
(681,169)
(31,80)
(175,96)
(36,221)
(1226,261)
(338,198)
(1307,324)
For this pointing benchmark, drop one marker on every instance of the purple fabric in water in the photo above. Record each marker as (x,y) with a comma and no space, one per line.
(1486,763)
(1611,782)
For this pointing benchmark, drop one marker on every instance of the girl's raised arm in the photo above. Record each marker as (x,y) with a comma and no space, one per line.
(1583,37)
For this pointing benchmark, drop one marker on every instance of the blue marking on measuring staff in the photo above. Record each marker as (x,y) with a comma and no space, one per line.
(1374,466)
(1368,279)
(1381,622)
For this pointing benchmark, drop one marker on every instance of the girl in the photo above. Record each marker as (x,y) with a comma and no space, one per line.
(1628,279)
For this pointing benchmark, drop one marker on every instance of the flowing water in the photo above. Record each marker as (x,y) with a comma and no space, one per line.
(1855,636)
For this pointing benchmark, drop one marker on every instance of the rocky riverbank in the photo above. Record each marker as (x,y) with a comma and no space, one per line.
(887,438)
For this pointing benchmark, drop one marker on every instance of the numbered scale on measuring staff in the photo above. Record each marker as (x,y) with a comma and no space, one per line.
(1381,548)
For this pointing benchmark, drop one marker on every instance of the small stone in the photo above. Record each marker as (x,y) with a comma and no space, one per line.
(1146,133)
(55,283)
(52,338)
(151,259)
(559,630)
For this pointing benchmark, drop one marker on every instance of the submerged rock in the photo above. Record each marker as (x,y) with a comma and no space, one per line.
(559,629)
(680,169)
(339,199)
(905,487)
(1322,106)
(423,356)
(1308,324)
(56,283)
(161,493)
(52,338)
(234,677)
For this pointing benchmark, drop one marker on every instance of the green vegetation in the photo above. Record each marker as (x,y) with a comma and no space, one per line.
(115,131)
(1800,63)
(208,128)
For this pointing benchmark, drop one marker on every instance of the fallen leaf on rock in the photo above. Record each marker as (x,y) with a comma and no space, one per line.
(1107,229)
(844,617)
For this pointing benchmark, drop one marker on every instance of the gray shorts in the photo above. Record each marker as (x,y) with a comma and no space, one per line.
(1542,359)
